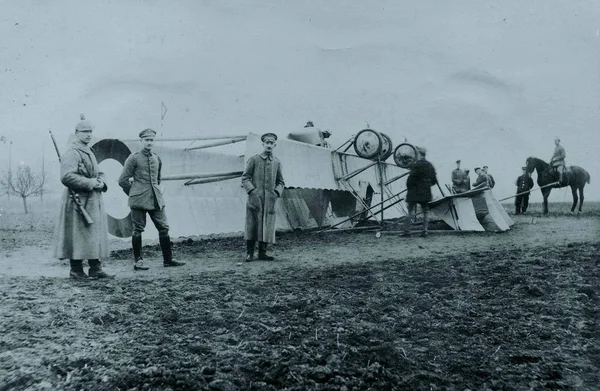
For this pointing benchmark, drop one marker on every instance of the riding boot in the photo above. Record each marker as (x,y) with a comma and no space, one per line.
(560,177)
(262,252)
(96,269)
(136,244)
(77,272)
(165,246)
(250,250)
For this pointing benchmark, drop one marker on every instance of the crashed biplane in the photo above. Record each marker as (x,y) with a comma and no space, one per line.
(325,188)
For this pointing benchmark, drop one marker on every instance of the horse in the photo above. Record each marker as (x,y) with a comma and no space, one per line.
(576,177)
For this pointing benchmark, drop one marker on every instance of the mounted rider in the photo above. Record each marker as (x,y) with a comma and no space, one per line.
(558,160)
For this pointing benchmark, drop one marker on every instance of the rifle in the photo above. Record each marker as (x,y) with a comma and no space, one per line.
(74,196)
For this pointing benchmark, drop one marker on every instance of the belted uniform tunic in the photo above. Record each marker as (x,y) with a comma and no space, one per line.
(144,167)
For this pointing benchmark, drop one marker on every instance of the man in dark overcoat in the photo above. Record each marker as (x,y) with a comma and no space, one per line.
(263,181)
(524,185)
(74,239)
(420,179)
(140,180)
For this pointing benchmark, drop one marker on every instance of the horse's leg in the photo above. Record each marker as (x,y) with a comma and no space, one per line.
(580,198)
(574,191)
(546,194)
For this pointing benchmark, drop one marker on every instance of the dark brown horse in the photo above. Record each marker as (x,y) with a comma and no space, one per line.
(577,177)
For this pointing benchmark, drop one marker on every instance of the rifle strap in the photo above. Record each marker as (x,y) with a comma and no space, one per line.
(83,161)
(159,168)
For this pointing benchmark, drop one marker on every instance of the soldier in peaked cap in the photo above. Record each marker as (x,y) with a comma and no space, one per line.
(263,181)
(482,178)
(458,177)
(491,181)
(524,184)
(140,180)
(467,181)
(557,162)
(74,239)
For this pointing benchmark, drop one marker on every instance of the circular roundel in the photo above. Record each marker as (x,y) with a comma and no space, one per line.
(387,148)
(405,155)
(114,149)
(368,143)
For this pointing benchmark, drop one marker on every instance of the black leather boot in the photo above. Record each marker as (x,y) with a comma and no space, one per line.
(165,246)
(77,272)
(250,250)
(136,244)
(96,269)
(262,252)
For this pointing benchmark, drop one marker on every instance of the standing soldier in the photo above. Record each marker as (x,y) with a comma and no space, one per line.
(490,178)
(263,181)
(420,179)
(524,184)
(482,179)
(457,179)
(558,160)
(140,180)
(467,181)
(76,239)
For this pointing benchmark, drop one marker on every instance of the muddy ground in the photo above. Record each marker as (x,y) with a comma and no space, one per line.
(346,311)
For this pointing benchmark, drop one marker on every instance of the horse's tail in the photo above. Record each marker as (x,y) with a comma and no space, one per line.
(588,177)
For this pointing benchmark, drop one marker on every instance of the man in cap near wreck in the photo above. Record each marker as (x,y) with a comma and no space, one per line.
(467,181)
(482,179)
(74,238)
(458,177)
(490,178)
(263,181)
(418,184)
(524,184)
(140,180)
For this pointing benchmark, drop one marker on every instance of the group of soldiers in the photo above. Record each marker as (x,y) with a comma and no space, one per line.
(79,239)
(461,182)
(82,229)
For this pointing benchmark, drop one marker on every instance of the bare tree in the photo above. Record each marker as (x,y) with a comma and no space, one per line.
(24,183)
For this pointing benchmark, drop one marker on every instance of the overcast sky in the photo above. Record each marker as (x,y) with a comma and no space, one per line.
(484,81)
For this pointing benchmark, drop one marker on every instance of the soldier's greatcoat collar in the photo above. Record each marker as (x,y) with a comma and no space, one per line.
(266,156)
(83,147)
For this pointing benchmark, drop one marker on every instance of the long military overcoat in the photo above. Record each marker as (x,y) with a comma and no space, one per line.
(422,176)
(263,181)
(74,239)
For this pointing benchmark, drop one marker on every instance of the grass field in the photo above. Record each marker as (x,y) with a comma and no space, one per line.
(347,311)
